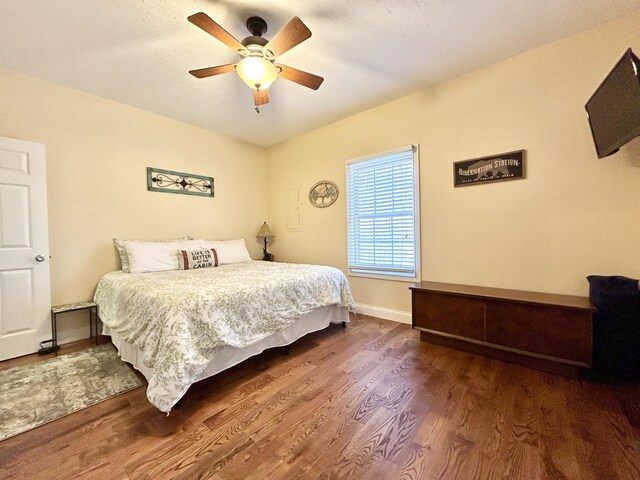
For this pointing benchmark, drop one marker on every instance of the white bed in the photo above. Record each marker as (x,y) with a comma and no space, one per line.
(180,327)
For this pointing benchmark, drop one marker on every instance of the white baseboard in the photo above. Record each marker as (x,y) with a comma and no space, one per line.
(384,313)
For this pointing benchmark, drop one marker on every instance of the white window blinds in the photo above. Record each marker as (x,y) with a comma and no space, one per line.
(382,217)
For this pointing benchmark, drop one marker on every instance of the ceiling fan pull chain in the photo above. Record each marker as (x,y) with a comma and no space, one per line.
(257,109)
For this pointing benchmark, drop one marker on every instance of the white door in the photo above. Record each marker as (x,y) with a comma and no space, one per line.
(25,291)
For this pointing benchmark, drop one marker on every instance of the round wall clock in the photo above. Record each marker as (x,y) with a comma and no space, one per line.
(323,194)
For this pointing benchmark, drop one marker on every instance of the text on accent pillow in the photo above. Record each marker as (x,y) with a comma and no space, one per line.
(202,258)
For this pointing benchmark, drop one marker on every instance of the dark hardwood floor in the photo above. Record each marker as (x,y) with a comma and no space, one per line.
(366,402)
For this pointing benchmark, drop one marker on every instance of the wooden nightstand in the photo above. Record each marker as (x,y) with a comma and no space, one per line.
(69,307)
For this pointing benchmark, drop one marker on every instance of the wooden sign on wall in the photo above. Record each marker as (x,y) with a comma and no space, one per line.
(505,166)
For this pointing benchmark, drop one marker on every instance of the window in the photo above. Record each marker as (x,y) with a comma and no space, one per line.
(383,215)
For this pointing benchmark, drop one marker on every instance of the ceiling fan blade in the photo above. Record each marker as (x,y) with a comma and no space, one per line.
(292,34)
(211,71)
(307,79)
(205,22)
(260,97)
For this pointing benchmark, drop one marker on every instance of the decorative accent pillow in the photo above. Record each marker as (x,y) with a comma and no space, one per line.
(202,258)
(157,256)
(122,251)
(229,251)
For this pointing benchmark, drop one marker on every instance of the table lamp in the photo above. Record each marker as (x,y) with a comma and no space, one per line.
(265,234)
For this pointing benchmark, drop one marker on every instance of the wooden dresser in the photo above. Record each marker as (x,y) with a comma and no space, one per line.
(539,330)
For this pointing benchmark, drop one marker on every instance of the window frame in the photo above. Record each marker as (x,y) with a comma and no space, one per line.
(416,216)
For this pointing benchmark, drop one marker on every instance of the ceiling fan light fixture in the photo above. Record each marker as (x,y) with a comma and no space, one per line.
(257,72)
(256,66)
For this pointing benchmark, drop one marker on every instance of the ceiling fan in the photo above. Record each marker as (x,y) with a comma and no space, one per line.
(257,66)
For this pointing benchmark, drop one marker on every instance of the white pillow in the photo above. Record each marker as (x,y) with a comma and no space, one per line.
(157,256)
(229,251)
(122,251)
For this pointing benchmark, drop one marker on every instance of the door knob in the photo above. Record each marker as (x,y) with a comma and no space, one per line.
(39,258)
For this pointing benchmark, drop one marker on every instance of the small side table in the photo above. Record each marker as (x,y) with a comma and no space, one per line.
(69,307)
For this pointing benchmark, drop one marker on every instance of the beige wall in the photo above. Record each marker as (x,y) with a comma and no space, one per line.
(573,215)
(97,152)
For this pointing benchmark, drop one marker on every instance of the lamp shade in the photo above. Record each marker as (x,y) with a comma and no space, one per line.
(264,231)
(257,72)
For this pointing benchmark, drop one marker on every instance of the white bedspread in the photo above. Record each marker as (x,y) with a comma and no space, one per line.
(180,319)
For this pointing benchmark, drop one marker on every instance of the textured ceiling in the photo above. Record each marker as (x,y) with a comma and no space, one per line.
(138,52)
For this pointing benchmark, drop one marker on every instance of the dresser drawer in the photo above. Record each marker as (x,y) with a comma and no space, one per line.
(547,330)
(450,314)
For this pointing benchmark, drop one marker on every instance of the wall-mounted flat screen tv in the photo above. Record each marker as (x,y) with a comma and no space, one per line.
(614,109)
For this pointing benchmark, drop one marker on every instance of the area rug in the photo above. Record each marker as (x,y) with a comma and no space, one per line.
(38,393)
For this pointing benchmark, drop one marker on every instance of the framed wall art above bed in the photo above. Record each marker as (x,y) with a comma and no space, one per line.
(168,181)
